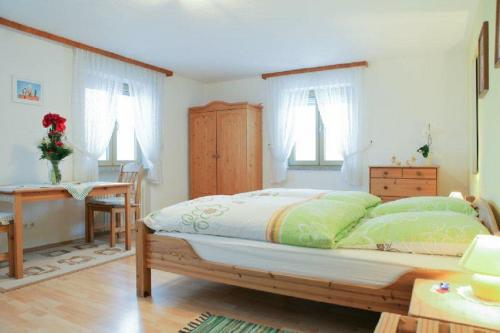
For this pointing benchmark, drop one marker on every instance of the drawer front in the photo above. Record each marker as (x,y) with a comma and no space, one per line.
(420,173)
(386,173)
(402,187)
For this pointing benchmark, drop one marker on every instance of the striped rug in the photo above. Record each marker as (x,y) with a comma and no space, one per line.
(207,323)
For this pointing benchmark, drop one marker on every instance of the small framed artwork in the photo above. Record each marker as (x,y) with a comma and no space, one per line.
(483,55)
(27,91)
(497,37)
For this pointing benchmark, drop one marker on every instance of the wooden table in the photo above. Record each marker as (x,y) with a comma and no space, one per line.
(33,193)
(396,323)
(451,307)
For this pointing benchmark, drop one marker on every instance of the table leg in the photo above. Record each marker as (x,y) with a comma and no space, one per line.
(87,234)
(18,237)
(128,238)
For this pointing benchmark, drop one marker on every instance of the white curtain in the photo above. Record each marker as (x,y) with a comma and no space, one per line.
(338,94)
(98,81)
(95,91)
(146,89)
(286,95)
(339,98)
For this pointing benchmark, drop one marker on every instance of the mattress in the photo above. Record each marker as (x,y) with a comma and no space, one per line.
(360,267)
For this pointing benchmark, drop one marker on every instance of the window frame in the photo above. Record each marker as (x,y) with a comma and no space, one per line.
(111,152)
(320,162)
(112,149)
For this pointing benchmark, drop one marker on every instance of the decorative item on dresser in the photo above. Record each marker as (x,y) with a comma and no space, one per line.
(395,182)
(225,148)
(115,205)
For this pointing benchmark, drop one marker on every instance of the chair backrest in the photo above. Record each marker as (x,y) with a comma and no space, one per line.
(132,173)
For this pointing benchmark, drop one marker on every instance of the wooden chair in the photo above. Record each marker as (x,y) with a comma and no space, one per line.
(7,226)
(115,206)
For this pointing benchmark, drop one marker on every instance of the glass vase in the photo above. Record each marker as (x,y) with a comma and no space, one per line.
(55,175)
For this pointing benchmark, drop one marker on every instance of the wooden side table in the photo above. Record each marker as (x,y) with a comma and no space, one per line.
(396,323)
(451,307)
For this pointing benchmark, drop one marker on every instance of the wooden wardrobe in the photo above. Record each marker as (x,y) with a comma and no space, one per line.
(225,148)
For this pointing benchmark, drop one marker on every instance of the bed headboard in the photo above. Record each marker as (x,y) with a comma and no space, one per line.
(486,215)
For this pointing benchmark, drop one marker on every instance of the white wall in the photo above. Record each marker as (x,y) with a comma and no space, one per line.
(486,183)
(402,95)
(20,127)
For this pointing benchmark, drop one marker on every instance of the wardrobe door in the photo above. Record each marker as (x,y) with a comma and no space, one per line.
(203,153)
(231,151)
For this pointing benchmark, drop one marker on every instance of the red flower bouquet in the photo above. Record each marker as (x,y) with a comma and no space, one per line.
(52,146)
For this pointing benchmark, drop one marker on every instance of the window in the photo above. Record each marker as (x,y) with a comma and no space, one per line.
(123,146)
(315,146)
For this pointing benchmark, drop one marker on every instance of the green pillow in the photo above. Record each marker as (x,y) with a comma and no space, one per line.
(444,233)
(364,199)
(423,204)
(316,223)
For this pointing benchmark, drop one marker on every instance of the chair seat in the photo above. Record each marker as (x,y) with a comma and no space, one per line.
(111,201)
(6,218)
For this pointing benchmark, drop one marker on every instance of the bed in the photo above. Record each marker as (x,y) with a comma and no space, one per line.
(299,272)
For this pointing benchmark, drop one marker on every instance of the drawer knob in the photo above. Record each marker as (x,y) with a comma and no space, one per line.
(386,188)
(419,173)
(419,188)
(385,173)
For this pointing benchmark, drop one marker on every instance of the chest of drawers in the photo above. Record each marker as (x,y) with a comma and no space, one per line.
(391,182)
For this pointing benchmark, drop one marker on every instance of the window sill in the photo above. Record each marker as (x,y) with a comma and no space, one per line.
(315,167)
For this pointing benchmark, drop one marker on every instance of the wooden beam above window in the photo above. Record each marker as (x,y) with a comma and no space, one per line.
(316,69)
(72,43)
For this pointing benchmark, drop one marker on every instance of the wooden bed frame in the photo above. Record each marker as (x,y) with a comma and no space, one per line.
(177,256)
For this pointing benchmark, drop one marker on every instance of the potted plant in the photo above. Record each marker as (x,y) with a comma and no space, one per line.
(425,150)
(53,149)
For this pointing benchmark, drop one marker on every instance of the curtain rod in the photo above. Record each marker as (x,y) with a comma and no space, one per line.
(316,69)
(75,44)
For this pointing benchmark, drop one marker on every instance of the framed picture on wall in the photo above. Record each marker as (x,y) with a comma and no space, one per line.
(497,37)
(483,84)
(27,91)
(475,136)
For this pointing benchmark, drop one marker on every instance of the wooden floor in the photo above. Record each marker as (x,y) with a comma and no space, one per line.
(102,299)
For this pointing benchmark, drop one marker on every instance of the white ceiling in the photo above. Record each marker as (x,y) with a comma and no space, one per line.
(213,40)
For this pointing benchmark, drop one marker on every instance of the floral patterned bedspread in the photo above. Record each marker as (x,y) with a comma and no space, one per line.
(295,217)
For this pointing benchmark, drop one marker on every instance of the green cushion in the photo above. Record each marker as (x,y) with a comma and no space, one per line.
(423,204)
(317,223)
(364,199)
(444,233)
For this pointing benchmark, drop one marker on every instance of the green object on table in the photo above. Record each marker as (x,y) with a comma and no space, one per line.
(79,191)
(54,172)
